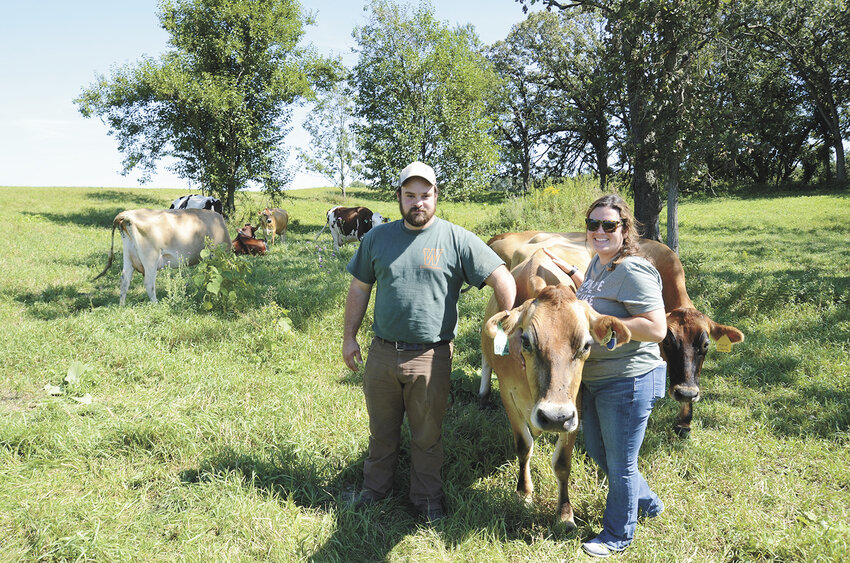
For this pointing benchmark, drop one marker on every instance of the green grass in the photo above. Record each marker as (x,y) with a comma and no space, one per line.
(224,437)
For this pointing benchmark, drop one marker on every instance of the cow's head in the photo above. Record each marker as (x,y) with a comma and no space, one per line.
(555,331)
(377,219)
(266,218)
(248,230)
(215,205)
(685,346)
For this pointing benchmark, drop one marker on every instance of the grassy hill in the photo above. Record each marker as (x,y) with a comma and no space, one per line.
(182,434)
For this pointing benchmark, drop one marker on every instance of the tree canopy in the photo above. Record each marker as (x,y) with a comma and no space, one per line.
(219,100)
(421,95)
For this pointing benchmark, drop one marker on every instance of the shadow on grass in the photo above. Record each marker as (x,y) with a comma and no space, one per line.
(57,301)
(90,217)
(130,199)
(477,444)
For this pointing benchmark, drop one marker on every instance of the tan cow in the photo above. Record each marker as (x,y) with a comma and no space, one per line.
(155,238)
(275,221)
(688,329)
(555,330)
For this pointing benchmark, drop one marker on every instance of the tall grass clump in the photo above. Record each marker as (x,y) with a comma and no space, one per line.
(558,206)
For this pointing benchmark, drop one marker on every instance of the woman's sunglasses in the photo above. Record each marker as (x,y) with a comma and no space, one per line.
(607,226)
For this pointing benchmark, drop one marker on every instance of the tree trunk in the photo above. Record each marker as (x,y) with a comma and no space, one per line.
(647,200)
(673,201)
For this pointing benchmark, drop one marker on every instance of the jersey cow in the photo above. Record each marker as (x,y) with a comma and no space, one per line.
(688,330)
(688,333)
(555,330)
(196,201)
(246,243)
(349,224)
(155,238)
(274,221)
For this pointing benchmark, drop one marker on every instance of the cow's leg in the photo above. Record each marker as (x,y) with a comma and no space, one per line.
(486,383)
(562,460)
(683,419)
(126,275)
(283,235)
(524,442)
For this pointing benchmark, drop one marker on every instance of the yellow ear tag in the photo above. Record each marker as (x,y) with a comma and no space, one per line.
(724,344)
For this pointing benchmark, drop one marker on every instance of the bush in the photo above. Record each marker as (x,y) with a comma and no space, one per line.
(219,280)
(559,206)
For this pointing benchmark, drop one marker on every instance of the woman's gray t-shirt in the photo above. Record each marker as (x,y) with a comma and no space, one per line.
(633,287)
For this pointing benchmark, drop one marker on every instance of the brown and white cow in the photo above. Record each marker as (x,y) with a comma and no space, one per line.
(246,243)
(349,224)
(275,222)
(688,329)
(555,331)
(155,238)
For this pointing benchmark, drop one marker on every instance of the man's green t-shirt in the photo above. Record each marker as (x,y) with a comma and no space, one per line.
(419,275)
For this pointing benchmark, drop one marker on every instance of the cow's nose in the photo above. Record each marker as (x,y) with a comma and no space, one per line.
(686,393)
(556,418)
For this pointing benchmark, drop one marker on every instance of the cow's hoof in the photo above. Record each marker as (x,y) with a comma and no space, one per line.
(682,431)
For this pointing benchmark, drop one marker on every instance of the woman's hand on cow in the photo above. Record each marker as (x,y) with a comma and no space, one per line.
(351,354)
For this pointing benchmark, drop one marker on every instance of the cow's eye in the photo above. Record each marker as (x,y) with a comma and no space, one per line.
(526,342)
(703,344)
(670,339)
(584,350)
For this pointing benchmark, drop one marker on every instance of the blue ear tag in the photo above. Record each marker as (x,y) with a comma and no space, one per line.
(612,343)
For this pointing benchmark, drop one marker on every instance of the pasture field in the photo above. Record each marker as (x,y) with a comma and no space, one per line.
(186,435)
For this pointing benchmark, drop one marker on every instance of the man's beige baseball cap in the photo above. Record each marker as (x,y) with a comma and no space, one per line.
(419,169)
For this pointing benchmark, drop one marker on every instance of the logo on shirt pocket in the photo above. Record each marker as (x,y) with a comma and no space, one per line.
(431,258)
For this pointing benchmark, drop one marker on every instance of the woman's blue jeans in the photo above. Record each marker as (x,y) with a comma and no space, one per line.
(614,415)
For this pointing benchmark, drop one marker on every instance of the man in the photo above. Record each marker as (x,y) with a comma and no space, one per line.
(420,263)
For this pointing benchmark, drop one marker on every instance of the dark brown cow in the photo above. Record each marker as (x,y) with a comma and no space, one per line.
(688,333)
(555,331)
(349,224)
(246,243)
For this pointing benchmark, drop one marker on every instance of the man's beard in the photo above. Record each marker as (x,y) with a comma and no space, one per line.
(414,218)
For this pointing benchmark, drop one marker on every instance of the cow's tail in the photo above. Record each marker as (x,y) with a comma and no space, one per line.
(322,230)
(119,219)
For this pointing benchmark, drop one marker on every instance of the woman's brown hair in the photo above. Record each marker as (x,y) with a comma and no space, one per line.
(630,226)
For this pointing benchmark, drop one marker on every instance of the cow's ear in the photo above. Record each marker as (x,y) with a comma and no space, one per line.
(603,326)
(718,330)
(510,320)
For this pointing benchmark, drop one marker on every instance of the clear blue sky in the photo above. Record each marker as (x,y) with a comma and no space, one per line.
(51,49)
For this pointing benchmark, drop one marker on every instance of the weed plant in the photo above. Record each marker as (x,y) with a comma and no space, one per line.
(165,432)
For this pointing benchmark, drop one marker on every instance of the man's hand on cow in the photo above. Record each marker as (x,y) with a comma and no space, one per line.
(351,354)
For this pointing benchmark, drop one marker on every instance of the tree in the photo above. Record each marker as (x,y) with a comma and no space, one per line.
(554,108)
(421,93)
(656,44)
(218,100)
(332,152)
(814,39)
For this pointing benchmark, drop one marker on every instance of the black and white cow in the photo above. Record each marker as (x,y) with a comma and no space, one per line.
(196,201)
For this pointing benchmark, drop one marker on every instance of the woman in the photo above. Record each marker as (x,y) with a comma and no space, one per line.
(620,387)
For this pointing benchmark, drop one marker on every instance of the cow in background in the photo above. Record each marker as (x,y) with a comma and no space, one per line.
(196,201)
(274,221)
(349,224)
(246,243)
(155,238)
